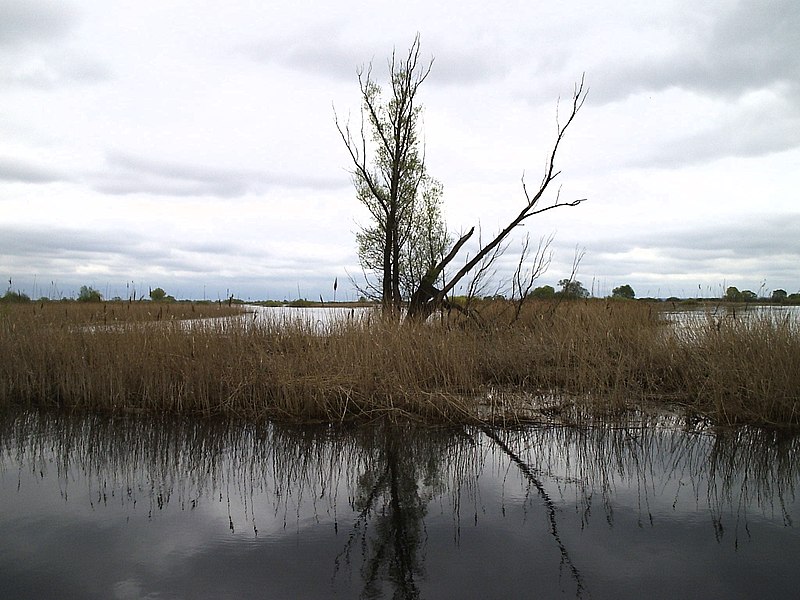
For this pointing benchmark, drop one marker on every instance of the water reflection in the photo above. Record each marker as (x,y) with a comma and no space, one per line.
(316,319)
(391,498)
(787,315)
(125,507)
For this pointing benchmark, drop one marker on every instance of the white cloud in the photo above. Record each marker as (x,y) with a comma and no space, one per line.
(192,142)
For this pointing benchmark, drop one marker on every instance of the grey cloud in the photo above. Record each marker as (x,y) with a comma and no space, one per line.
(317,51)
(474,65)
(752,132)
(774,234)
(751,58)
(758,44)
(208,247)
(49,247)
(36,53)
(754,46)
(86,71)
(322,53)
(21,171)
(84,245)
(750,250)
(751,236)
(54,72)
(130,174)
(27,241)
(25,21)
(185,268)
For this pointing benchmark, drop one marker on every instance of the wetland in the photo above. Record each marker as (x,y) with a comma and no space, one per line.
(589,449)
(97,506)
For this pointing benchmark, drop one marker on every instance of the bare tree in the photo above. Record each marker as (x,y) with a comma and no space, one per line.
(389,186)
(529,270)
(427,297)
(483,276)
(571,288)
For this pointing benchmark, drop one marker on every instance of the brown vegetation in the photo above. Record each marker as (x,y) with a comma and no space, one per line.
(65,313)
(556,359)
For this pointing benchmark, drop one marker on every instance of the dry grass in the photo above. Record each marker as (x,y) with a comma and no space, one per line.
(740,370)
(63,314)
(604,357)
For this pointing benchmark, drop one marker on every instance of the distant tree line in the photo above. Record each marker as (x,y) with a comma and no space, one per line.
(732,294)
(570,289)
(86,293)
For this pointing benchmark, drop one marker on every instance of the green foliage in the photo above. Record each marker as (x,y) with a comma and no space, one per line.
(302,303)
(159,295)
(89,294)
(732,294)
(271,303)
(779,296)
(572,289)
(544,292)
(14,297)
(458,300)
(749,296)
(624,291)
(423,238)
(406,236)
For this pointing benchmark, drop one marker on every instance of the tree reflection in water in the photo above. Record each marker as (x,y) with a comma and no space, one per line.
(391,508)
(277,479)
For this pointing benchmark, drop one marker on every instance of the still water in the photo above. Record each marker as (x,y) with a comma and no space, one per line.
(100,507)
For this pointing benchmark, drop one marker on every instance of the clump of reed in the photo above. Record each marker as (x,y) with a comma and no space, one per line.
(67,313)
(604,357)
(286,370)
(741,370)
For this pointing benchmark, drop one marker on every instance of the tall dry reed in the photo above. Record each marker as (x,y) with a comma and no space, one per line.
(602,356)
(743,369)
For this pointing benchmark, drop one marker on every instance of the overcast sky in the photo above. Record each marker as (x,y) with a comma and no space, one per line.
(191,145)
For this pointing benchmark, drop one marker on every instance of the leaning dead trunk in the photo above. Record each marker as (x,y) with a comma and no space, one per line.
(427,298)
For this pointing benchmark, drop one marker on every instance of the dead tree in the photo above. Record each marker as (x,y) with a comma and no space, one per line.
(522,281)
(428,298)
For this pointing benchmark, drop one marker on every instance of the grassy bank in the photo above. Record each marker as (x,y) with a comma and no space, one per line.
(70,313)
(595,356)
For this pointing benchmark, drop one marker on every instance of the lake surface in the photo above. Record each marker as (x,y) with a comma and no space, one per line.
(320,319)
(100,507)
(312,318)
(789,314)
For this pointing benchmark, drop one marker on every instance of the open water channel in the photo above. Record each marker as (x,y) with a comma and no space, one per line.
(134,507)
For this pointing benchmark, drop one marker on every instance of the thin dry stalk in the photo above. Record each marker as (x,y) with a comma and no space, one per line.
(605,357)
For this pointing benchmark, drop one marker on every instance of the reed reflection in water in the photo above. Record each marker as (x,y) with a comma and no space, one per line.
(105,507)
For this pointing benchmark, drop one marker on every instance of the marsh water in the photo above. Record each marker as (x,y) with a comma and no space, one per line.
(133,507)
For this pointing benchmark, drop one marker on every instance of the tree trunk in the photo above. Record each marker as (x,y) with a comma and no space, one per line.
(427,298)
(386,284)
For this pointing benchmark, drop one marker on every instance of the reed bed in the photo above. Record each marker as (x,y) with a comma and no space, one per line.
(65,314)
(592,357)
